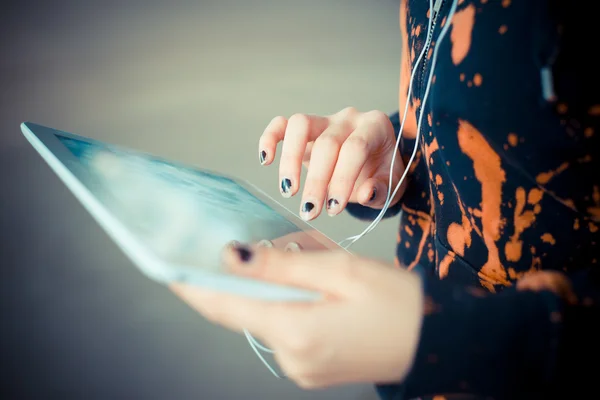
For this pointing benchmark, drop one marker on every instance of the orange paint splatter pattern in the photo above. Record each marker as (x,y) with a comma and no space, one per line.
(491,176)
(545,177)
(462,29)
(501,190)
(523,219)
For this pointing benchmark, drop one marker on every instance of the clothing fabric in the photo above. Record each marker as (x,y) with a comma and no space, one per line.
(502,208)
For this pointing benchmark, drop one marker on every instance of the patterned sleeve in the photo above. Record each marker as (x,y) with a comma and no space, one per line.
(538,339)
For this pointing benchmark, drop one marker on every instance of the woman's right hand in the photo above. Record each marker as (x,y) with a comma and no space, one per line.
(348,156)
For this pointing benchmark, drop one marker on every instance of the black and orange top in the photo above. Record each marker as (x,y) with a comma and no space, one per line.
(502,209)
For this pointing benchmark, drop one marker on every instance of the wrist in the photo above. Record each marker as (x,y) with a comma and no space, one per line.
(414,321)
(405,330)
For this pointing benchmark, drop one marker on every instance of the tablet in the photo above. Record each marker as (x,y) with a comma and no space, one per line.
(172,220)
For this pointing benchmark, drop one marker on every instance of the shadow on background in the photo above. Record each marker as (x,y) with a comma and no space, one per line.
(194,81)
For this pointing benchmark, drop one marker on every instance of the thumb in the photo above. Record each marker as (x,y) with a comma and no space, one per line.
(374,191)
(322,271)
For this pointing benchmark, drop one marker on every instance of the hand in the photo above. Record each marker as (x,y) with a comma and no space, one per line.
(296,241)
(366,328)
(348,156)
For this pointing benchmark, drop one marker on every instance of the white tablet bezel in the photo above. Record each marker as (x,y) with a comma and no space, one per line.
(69,170)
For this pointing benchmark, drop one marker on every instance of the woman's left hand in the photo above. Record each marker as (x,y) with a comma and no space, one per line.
(366,328)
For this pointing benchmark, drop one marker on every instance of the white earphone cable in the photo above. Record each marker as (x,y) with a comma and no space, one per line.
(390,195)
(255,345)
(354,239)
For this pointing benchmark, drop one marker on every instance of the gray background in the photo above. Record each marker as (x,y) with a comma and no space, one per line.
(196,82)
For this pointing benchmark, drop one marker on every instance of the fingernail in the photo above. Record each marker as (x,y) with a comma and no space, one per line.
(233,244)
(373,195)
(293,247)
(244,253)
(331,205)
(263,157)
(265,243)
(286,186)
(307,207)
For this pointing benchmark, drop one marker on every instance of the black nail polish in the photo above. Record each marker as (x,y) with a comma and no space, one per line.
(307,207)
(244,253)
(373,195)
(286,185)
(332,203)
(263,156)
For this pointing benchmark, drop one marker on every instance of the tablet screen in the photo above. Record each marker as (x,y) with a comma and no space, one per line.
(183,215)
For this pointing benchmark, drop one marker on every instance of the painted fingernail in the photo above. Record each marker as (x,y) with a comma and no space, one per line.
(332,205)
(265,243)
(306,209)
(263,157)
(293,247)
(244,253)
(373,195)
(286,187)
(233,244)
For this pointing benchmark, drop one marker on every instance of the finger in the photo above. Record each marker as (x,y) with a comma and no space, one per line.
(381,180)
(272,135)
(374,191)
(307,153)
(300,130)
(323,161)
(354,154)
(266,320)
(307,240)
(329,272)
(235,313)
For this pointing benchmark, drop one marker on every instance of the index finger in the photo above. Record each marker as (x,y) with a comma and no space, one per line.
(264,319)
(332,273)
